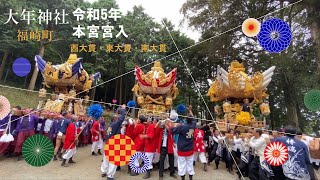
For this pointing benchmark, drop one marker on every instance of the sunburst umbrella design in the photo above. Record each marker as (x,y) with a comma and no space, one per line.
(37,150)
(251,27)
(276,153)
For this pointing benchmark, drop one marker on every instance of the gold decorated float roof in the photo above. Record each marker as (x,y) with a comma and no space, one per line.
(236,83)
(156,81)
(71,73)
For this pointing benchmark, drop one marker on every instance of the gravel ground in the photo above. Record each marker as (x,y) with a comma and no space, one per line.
(87,168)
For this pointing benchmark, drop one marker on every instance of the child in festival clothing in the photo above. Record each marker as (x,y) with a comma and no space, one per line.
(199,149)
(185,147)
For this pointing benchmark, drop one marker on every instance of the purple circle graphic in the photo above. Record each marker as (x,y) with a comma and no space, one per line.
(21,67)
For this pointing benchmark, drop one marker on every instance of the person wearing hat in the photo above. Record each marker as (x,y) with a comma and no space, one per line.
(149,142)
(138,138)
(199,149)
(108,169)
(185,147)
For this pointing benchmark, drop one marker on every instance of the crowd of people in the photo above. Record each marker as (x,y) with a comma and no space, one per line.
(171,144)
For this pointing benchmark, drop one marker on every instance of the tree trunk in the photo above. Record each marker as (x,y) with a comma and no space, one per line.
(105,93)
(36,71)
(289,97)
(314,28)
(272,110)
(117,83)
(4,61)
(125,89)
(121,91)
(93,93)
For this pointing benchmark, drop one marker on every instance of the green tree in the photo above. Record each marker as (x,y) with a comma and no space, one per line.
(215,18)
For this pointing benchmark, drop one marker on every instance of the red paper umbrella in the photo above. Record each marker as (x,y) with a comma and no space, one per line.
(4,107)
(251,27)
(276,153)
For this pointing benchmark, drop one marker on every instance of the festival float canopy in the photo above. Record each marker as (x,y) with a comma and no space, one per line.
(233,87)
(155,90)
(237,84)
(66,80)
(68,74)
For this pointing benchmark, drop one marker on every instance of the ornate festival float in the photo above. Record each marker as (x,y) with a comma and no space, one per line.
(240,100)
(155,90)
(66,81)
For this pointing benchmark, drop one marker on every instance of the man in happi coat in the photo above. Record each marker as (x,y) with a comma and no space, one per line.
(8,125)
(138,131)
(90,123)
(150,145)
(25,128)
(49,126)
(198,146)
(103,127)
(185,147)
(165,145)
(108,169)
(70,143)
(85,131)
(61,133)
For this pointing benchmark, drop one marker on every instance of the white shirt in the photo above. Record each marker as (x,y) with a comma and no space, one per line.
(165,138)
(245,145)
(258,145)
(265,135)
(48,124)
(39,126)
(237,144)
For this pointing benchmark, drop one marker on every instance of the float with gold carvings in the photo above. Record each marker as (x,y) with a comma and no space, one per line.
(232,92)
(66,80)
(155,90)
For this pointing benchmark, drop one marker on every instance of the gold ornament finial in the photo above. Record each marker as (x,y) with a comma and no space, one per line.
(157,66)
(72,58)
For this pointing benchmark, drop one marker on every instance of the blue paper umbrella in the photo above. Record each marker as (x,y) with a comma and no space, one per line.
(275,35)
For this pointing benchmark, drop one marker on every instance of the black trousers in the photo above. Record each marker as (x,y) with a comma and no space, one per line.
(163,154)
(255,171)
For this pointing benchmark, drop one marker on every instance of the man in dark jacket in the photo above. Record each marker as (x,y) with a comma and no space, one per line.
(108,169)
(185,147)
